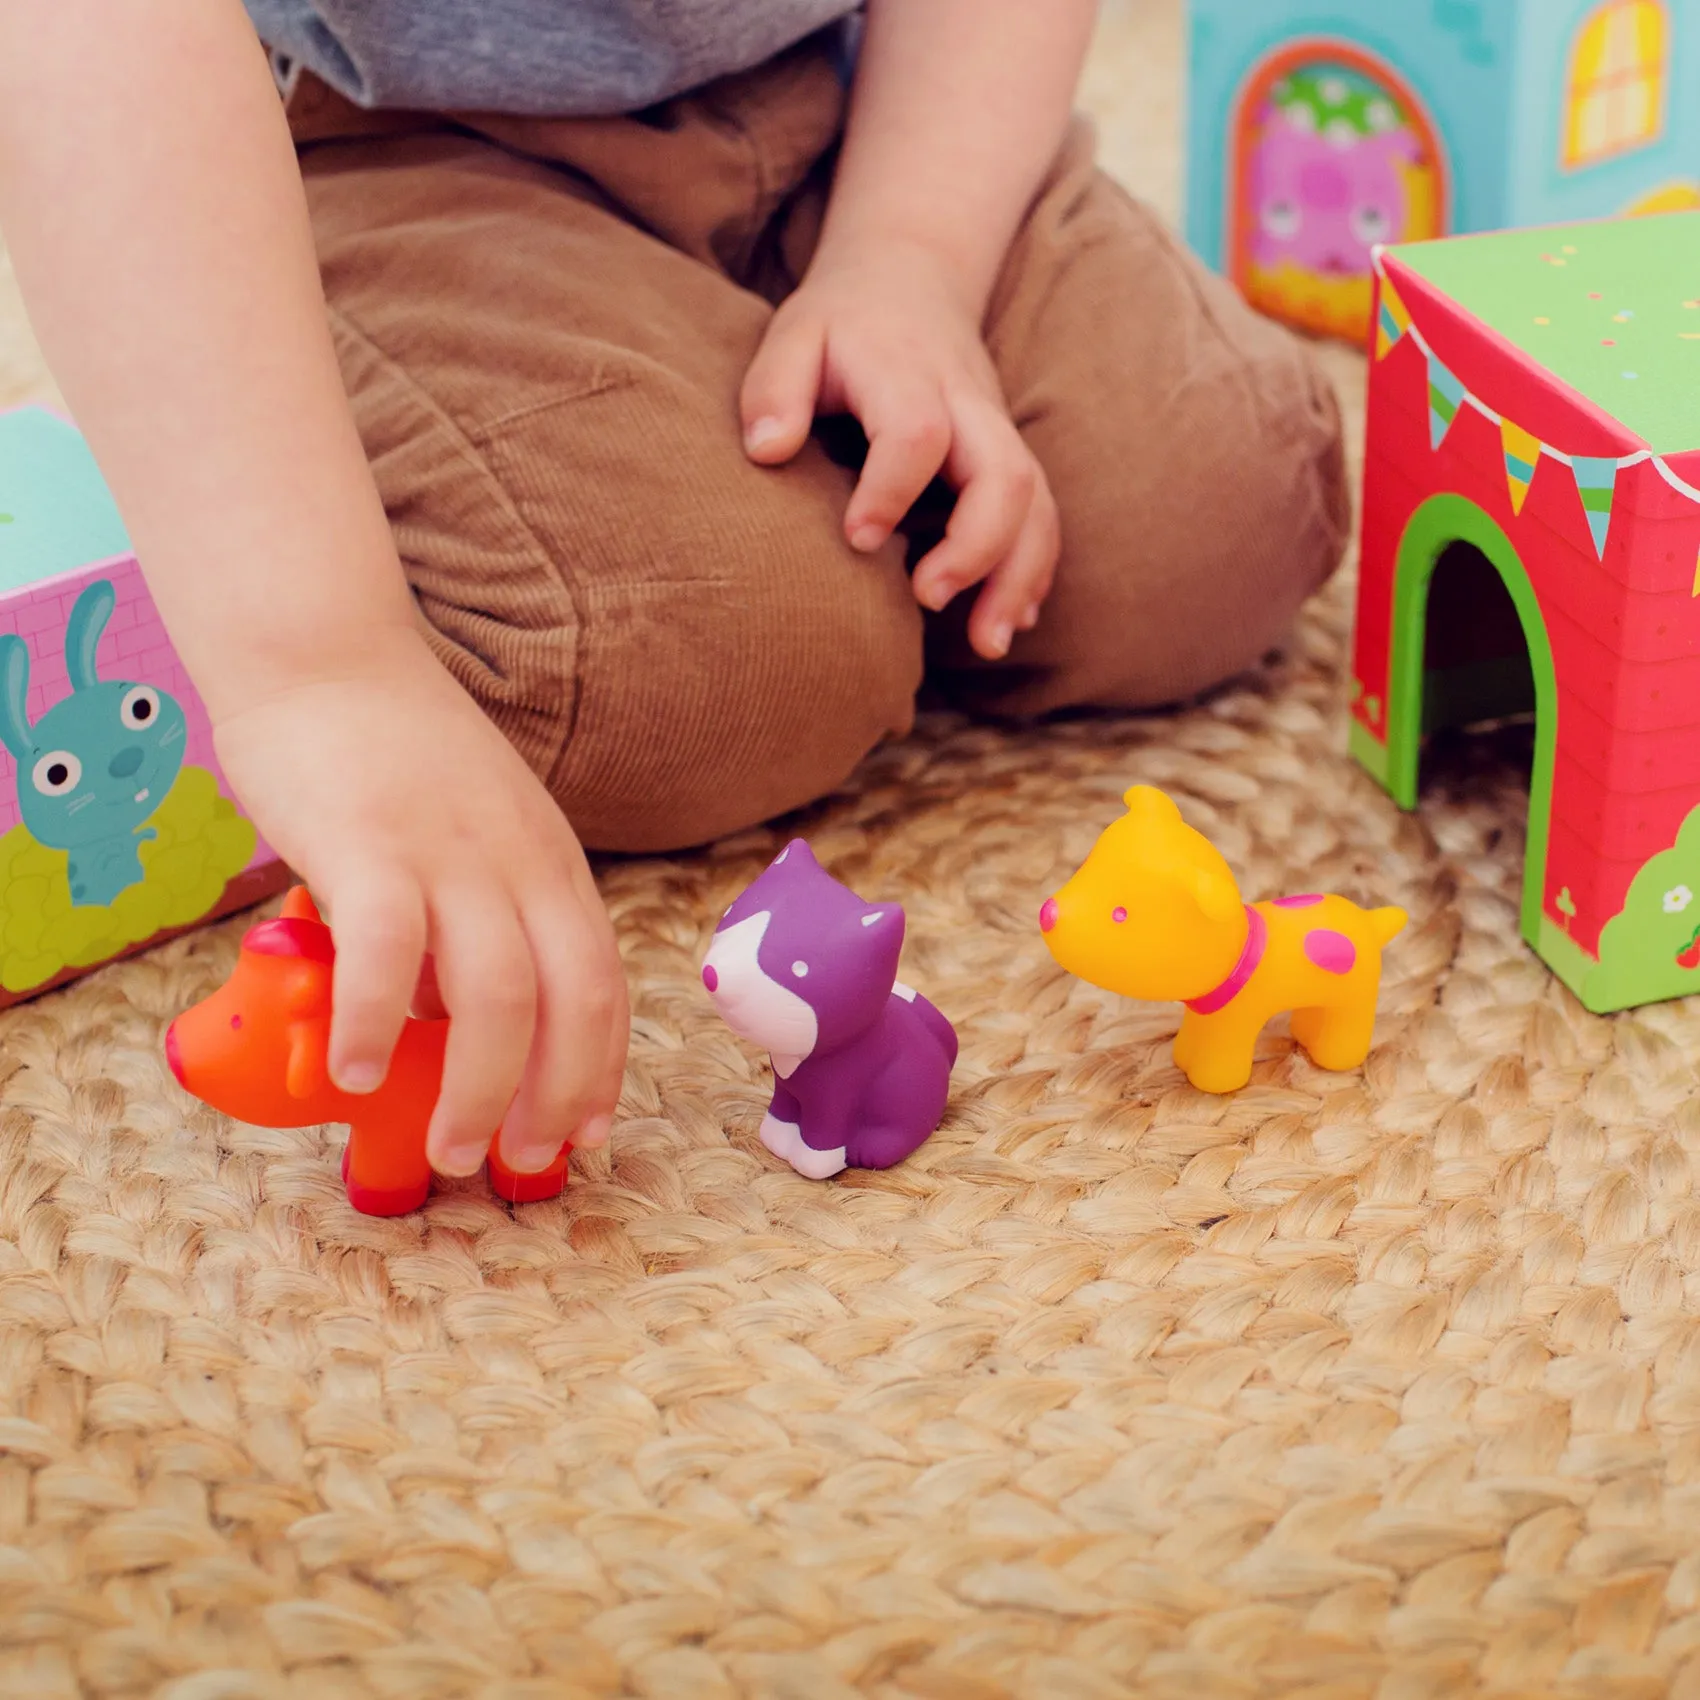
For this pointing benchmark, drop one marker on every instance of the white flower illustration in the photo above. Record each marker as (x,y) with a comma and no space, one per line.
(1677,899)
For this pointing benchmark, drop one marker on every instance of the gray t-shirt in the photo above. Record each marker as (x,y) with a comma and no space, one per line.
(555,58)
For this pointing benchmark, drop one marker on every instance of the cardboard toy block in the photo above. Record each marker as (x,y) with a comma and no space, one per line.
(117,828)
(1320,128)
(1531,545)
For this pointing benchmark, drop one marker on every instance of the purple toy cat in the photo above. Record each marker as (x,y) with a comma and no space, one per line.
(801,966)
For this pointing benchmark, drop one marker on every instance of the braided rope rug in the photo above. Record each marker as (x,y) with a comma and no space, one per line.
(1373,1385)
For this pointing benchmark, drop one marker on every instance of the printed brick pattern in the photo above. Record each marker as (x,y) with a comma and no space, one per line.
(133,647)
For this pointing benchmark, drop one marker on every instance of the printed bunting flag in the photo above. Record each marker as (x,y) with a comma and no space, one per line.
(1522,454)
(1596,482)
(1445,397)
(1393,322)
(1596,479)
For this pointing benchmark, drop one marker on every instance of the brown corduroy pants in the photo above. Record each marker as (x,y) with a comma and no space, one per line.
(543,326)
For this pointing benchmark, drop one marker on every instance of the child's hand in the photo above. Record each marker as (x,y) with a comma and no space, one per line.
(203,372)
(889,340)
(419,829)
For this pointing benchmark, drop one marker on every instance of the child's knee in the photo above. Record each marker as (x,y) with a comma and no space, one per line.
(733,704)
(1184,572)
(1194,449)
(1259,518)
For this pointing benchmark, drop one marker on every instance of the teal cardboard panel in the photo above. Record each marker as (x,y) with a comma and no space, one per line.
(56,513)
(1313,126)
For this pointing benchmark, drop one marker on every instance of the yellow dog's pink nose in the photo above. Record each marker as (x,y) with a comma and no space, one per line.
(1048,915)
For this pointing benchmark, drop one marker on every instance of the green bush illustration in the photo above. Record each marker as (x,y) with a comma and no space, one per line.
(1651,949)
(201,844)
(1333,95)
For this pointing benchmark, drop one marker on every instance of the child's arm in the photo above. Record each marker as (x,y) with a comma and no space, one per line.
(149,193)
(958,110)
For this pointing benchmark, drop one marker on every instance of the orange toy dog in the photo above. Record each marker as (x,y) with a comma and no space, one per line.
(256,1049)
(1154,914)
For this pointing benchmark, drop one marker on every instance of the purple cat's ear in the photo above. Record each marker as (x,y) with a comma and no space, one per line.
(798,850)
(883,920)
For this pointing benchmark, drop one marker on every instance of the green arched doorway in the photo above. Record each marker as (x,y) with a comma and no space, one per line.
(1422,696)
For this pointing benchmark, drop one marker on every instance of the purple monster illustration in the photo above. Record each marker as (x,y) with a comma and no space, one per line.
(1326,190)
(801,966)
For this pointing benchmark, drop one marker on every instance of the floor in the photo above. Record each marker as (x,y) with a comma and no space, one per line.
(1376,1385)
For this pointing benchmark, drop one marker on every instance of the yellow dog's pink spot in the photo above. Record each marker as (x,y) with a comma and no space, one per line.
(1305,900)
(1332,952)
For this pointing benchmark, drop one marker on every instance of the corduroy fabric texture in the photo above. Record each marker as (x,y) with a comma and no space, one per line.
(544,326)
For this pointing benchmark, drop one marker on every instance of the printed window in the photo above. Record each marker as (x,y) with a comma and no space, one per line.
(1618,72)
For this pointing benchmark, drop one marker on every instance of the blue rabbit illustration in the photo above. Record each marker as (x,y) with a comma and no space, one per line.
(98,763)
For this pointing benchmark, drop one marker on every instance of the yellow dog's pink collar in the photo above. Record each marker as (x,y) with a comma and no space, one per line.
(1257,941)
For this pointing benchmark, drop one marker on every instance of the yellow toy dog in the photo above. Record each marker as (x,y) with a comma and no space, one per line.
(1154,914)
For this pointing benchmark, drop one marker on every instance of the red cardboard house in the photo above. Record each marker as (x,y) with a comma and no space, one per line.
(1531,544)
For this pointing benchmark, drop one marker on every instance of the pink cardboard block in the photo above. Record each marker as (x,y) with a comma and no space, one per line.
(117,826)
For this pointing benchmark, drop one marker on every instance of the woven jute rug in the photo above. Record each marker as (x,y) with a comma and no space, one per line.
(1385,1384)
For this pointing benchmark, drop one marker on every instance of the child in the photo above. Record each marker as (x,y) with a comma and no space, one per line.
(551,454)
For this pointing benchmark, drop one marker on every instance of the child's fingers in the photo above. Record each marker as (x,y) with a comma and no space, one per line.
(909,435)
(1018,585)
(997,481)
(777,402)
(428,1002)
(578,1054)
(485,970)
(379,920)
